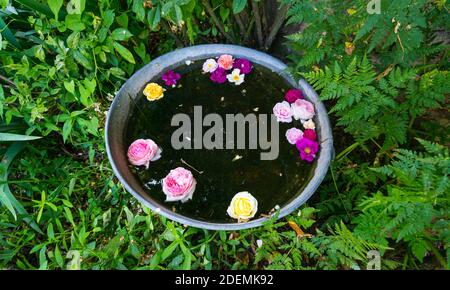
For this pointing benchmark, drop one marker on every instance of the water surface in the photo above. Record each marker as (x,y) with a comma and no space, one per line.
(272,183)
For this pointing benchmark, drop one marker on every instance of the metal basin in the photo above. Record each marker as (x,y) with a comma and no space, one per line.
(121,107)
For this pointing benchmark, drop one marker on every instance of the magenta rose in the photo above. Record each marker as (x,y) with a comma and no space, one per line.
(310,134)
(244,65)
(171,78)
(293,135)
(302,109)
(293,95)
(307,148)
(179,184)
(142,151)
(219,75)
(283,112)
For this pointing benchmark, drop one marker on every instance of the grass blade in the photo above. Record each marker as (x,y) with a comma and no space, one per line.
(16,137)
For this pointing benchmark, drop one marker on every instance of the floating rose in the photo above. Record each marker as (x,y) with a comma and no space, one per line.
(243,206)
(310,134)
(244,65)
(292,95)
(219,76)
(225,61)
(210,65)
(293,135)
(309,125)
(283,112)
(179,185)
(142,151)
(235,77)
(302,109)
(153,91)
(171,78)
(307,148)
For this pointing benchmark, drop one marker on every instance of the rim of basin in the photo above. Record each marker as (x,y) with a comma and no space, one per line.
(117,117)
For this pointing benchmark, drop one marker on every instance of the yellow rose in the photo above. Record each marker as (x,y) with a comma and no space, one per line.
(243,206)
(153,92)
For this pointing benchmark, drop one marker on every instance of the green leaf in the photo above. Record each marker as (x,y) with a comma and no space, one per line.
(58,257)
(115,71)
(124,52)
(178,14)
(166,8)
(82,59)
(70,86)
(50,231)
(73,40)
(224,13)
(239,5)
(67,128)
(5,192)
(43,258)
(9,36)
(169,250)
(4,4)
(138,8)
(55,6)
(108,18)
(122,20)
(74,23)
(154,17)
(37,6)
(16,137)
(121,34)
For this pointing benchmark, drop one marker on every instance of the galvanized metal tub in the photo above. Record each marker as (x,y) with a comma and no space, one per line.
(120,109)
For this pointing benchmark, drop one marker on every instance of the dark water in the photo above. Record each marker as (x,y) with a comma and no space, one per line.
(272,183)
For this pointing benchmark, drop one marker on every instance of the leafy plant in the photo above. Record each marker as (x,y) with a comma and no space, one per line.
(415,208)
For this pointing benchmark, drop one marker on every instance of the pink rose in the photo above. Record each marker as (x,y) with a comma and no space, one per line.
(283,112)
(225,61)
(302,109)
(293,135)
(179,184)
(142,151)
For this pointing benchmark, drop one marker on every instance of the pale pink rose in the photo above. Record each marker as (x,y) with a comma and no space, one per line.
(302,109)
(142,151)
(179,184)
(283,112)
(225,61)
(293,135)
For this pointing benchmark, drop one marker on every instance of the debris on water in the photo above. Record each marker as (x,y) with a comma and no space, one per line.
(151,183)
(237,157)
